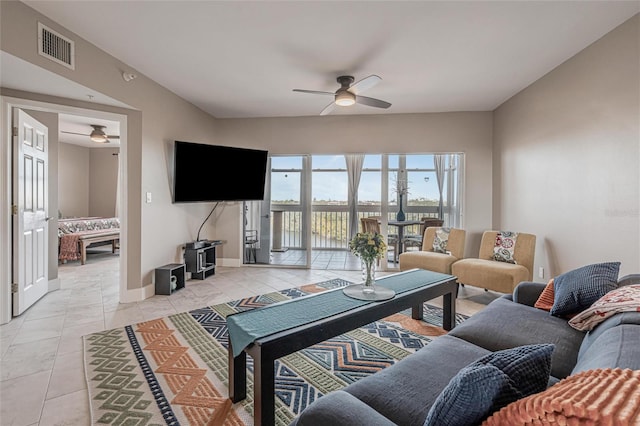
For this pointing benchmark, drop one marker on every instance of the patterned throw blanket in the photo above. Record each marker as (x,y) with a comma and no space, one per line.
(69,247)
(174,370)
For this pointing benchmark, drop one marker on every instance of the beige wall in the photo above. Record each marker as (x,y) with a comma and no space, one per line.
(73,180)
(103,181)
(155,231)
(467,132)
(88,178)
(566,158)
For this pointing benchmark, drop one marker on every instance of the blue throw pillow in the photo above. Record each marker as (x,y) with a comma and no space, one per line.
(576,290)
(490,383)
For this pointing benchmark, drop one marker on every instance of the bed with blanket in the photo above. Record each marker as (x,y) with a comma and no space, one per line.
(76,234)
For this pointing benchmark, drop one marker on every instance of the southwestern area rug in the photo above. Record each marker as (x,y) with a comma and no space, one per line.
(173,370)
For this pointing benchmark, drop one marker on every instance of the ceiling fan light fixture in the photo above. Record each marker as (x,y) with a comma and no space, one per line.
(98,135)
(99,138)
(345,98)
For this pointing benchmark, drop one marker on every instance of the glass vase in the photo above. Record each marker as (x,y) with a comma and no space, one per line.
(400,217)
(368,276)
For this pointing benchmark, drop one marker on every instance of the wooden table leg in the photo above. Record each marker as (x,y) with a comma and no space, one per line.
(83,253)
(237,375)
(263,391)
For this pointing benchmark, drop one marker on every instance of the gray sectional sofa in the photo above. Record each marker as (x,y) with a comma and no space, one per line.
(403,393)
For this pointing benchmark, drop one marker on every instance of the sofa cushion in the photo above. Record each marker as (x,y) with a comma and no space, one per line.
(623,299)
(617,347)
(595,397)
(545,300)
(469,396)
(489,274)
(576,290)
(397,392)
(504,324)
(491,383)
(614,321)
(428,260)
(505,246)
(441,240)
(340,408)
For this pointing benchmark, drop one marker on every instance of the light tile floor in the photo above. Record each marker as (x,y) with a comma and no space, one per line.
(41,367)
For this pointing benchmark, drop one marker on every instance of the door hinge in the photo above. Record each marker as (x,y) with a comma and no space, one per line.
(14,209)
(15,131)
(14,287)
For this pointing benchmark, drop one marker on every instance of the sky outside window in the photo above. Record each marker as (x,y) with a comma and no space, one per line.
(332,185)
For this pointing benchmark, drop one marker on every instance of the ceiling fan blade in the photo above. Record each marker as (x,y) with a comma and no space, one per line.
(73,133)
(315,92)
(363,100)
(364,84)
(328,108)
(113,136)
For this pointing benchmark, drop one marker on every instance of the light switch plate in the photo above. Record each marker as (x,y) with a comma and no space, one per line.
(148,195)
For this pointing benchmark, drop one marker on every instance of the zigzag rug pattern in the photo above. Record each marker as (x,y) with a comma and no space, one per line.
(173,370)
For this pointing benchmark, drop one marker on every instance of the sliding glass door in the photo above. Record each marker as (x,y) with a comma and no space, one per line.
(314,203)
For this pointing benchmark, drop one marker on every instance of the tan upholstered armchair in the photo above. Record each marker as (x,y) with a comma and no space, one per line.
(428,259)
(490,274)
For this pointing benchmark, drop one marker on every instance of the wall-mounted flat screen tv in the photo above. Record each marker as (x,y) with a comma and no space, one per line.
(217,173)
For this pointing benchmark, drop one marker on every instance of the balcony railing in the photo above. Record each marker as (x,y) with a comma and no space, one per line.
(329,225)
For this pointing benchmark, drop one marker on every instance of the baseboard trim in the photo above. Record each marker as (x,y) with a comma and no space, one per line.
(54,284)
(232,263)
(138,294)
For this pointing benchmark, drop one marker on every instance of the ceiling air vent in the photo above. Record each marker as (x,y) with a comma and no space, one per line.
(55,46)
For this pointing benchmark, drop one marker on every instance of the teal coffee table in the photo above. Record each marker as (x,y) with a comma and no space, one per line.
(277,330)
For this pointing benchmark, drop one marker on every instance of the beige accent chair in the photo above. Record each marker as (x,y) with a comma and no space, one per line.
(430,260)
(484,272)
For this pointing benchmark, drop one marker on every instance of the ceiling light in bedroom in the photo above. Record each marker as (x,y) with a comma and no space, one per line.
(98,135)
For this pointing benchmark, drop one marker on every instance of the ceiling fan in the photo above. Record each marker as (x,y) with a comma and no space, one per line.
(349,93)
(97,134)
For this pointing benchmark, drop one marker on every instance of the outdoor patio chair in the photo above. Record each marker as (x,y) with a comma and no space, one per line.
(415,240)
(372,224)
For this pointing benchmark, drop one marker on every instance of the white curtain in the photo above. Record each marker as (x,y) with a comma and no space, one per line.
(252,218)
(439,162)
(354,171)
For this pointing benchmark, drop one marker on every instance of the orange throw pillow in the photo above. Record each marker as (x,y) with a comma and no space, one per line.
(545,300)
(606,396)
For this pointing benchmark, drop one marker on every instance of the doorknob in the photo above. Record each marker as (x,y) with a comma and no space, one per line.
(266,216)
(47,219)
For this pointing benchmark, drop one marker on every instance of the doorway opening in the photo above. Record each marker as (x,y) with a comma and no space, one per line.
(9,260)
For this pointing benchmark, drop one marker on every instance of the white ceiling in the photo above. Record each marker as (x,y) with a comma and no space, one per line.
(243,58)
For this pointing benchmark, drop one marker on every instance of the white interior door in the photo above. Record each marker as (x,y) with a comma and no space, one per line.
(30,200)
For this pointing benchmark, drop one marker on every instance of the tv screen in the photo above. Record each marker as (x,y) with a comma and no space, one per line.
(217,173)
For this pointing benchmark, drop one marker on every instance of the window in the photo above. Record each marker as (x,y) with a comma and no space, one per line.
(330,221)
(286,180)
(330,180)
